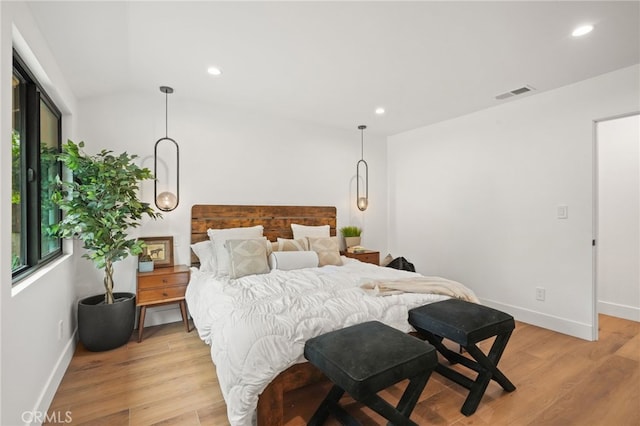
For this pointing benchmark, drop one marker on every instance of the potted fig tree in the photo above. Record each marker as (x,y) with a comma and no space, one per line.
(100,204)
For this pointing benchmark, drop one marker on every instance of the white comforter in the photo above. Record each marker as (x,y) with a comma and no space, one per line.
(257,325)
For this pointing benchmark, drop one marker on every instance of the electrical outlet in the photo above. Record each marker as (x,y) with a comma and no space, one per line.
(540,293)
(563,212)
(60,329)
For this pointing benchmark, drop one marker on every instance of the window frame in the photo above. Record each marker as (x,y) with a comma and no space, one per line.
(31,189)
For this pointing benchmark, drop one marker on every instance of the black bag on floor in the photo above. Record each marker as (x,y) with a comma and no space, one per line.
(402,264)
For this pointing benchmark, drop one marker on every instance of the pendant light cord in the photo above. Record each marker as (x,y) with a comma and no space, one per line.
(362,201)
(166,114)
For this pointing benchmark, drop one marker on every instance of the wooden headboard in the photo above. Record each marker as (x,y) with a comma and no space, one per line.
(276,220)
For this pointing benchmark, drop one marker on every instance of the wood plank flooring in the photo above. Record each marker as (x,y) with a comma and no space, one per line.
(169,379)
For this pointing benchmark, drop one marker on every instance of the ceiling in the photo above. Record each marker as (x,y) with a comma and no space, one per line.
(333,63)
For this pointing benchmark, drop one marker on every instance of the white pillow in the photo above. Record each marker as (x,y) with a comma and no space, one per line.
(205,251)
(303,231)
(247,257)
(289,260)
(220,236)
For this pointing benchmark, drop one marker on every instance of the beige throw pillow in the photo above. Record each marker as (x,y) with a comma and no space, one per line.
(283,244)
(247,257)
(328,250)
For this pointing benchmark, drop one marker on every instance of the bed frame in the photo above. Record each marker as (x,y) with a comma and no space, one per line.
(277,222)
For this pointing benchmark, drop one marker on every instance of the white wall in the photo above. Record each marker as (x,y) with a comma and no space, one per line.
(227,156)
(230,156)
(618,252)
(475,199)
(34,358)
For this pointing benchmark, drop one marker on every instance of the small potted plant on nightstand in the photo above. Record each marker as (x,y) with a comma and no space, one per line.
(351,235)
(145,263)
(100,204)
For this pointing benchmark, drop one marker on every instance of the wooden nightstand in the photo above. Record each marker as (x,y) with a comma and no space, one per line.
(368,256)
(162,286)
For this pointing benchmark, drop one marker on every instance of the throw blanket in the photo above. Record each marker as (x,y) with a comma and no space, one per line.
(426,285)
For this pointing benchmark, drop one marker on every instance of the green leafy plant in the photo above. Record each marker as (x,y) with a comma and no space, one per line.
(100,204)
(350,231)
(15,167)
(15,261)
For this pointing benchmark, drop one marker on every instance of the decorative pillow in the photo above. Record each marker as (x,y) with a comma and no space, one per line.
(247,257)
(302,231)
(284,244)
(387,260)
(328,250)
(205,251)
(220,236)
(289,260)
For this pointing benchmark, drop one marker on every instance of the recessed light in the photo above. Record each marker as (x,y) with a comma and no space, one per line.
(582,30)
(214,70)
(380,111)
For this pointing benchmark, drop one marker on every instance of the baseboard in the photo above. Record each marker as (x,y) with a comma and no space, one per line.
(631,313)
(539,319)
(51,386)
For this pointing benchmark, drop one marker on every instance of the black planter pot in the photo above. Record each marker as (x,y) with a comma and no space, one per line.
(103,327)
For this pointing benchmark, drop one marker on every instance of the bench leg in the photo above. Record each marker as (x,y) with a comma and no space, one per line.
(387,411)
(329,402)
(488,371)
(476,391)
(485,365)
(494,357)
(398,416)
(436,342)
(343,417)
(412,393)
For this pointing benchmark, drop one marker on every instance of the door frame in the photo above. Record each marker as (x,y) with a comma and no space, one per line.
(596,178)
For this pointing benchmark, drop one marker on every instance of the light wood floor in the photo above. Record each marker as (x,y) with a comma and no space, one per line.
(169,379)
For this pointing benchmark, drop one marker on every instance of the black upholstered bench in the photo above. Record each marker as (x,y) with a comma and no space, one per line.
(364,359)
(466,324)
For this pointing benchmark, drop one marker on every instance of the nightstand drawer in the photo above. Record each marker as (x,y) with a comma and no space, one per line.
(367,256)
(160,295)
(169,280)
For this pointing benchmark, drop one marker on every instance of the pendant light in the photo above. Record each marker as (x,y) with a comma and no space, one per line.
(167,200)
(362,199)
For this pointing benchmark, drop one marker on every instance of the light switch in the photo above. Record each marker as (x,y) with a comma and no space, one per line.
(563,212)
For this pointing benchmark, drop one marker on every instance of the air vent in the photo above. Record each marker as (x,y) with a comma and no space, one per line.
(515,92)
(504,96)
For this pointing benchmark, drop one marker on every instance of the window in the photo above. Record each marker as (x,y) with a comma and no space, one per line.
(35,140)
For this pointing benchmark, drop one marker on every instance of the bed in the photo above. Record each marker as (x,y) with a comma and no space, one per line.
(256,325)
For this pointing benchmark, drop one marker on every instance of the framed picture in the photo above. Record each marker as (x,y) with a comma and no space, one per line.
(160,249)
